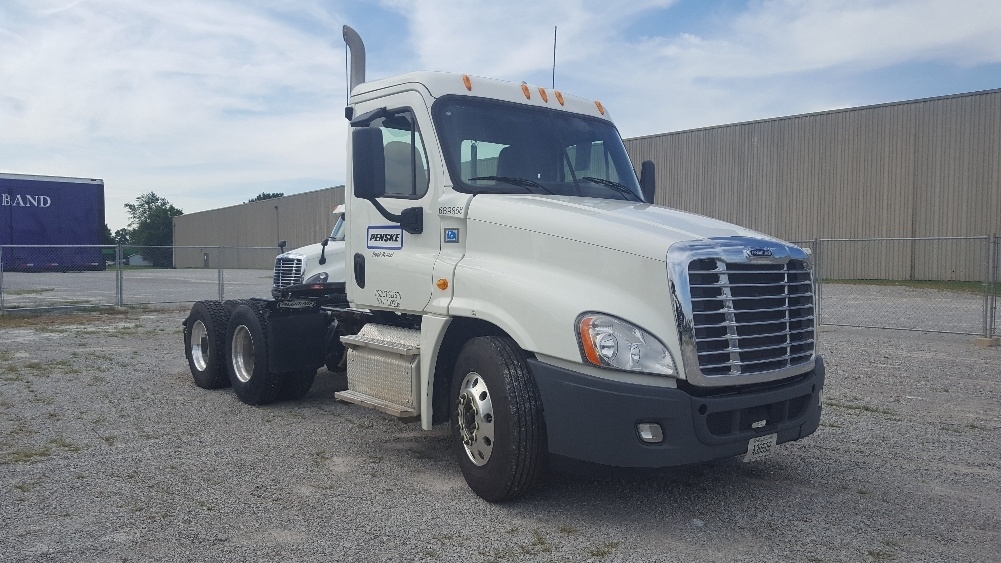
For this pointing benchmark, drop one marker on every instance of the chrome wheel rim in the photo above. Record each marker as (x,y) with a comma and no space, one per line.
(475,411)
(200,346)
(243,353)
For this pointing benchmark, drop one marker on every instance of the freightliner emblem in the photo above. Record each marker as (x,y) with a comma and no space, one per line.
(758,253)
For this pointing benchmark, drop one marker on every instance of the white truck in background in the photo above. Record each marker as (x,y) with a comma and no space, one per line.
(506,274)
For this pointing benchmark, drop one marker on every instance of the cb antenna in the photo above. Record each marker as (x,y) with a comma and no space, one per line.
(554,57)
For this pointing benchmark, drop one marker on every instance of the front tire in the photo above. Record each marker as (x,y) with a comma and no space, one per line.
(205,344)
(497,423)
(247,351)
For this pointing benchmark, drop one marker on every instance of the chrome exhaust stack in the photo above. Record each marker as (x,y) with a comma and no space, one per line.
(357,48)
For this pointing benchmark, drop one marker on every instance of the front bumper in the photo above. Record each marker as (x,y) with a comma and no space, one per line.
(593,421)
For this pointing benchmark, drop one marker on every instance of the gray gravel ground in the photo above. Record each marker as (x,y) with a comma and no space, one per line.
(108,452)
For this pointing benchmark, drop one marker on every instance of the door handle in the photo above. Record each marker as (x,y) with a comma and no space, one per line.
(360,270)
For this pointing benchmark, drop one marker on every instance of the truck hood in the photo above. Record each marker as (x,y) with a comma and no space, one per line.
(635,228)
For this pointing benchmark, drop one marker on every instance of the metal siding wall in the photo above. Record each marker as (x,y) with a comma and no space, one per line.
(300,219)
(912,169)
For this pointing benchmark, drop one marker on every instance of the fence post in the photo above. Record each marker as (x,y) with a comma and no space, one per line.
(222,286)
(988,248)
(994,285)
(816,281)
(118,275)
(3,311)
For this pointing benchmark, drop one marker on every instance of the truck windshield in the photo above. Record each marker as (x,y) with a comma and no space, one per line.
(337,234)
(499,147)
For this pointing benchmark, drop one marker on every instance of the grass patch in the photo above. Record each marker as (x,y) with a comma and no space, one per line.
(976,288)
(603,550)
(878,555)
(28,455)
(539,543)
(64,444)
(28,486)
(37,320)
(30,291)
(859,408)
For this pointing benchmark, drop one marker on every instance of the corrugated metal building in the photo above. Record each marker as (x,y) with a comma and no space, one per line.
(300,219)
(922,168)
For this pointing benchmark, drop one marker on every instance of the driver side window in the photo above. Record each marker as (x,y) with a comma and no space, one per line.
(405,157)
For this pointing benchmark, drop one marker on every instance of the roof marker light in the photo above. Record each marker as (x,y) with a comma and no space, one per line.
(559,97)
(601,108)
(467,82)
(542,92)
(526,91)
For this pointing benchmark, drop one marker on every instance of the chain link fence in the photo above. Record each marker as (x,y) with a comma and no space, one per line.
(927,284)
(944,284)
(52,277)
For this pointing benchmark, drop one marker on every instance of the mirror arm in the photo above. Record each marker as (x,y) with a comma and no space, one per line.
(323,250)
(411,218)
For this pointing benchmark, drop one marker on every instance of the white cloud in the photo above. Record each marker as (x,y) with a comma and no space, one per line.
(181,96)
(208,102)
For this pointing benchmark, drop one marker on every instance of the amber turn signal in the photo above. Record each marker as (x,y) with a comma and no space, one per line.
(442,284)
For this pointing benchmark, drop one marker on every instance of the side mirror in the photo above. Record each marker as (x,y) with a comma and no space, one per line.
(368,163)
(647,181)
(281,245)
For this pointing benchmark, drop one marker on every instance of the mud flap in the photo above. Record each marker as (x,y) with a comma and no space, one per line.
(298,342)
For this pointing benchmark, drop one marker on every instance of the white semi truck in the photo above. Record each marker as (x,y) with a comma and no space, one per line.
(507,274)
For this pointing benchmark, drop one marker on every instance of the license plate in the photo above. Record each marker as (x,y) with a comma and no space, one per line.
(761,447)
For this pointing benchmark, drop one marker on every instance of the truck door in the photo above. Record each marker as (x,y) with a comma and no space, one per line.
(387,266)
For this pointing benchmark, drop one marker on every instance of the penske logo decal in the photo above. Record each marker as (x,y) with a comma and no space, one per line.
(385,238)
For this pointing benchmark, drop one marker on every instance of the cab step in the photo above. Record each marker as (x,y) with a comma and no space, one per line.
(403,413)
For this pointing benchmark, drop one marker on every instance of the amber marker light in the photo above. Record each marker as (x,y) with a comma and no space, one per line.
(467,82)
(442,284)
(526,91)
(601,108)
(559,97)
(587,343)
(542,92)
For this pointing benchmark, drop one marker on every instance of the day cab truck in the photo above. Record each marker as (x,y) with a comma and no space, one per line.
(506,273)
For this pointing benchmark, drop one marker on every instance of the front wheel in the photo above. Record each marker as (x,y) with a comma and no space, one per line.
(498,428)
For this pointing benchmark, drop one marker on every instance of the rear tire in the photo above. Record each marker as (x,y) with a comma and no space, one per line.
(247,353)
(497,423)
(205,344)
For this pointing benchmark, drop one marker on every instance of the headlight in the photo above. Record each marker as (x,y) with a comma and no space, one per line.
(317,278)
(606,341)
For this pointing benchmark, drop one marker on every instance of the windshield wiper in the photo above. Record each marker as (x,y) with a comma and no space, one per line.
(611,184)
(520,182)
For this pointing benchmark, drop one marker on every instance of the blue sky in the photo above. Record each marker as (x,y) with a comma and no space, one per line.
(210,102)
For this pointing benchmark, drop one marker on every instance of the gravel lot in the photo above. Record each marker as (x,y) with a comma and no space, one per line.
(109,453)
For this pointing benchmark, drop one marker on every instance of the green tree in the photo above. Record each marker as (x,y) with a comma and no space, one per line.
(266,195)
(106,237)
(121,236)
(151,223)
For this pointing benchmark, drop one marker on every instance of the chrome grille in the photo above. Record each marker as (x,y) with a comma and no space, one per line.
(751,317)
(288,271)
